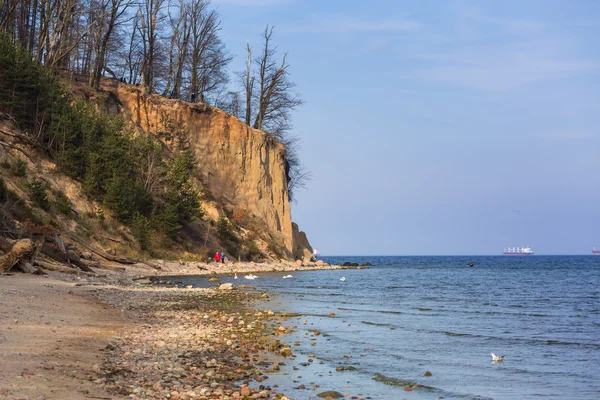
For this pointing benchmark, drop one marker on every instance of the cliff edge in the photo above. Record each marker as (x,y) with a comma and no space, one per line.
(244,168)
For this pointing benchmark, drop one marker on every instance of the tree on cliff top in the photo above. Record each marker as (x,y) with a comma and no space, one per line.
(270,99)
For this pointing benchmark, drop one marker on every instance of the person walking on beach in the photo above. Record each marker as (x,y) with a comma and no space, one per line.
(222,257)
(217,257)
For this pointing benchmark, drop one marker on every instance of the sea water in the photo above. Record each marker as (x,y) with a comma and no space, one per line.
(389,324)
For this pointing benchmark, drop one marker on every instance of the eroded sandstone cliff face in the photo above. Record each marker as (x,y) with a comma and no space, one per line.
(240,165)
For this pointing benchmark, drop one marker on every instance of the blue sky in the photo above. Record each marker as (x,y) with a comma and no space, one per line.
(433,127)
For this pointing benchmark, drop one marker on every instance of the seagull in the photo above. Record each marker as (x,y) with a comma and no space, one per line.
(496,358)
(342,278)
(250,276)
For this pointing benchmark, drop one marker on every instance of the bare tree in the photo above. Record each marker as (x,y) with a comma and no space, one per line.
(63,34)
(271,104)
(229,102)
(276,97)
(150,19)
(209,58)
(111,12)
(133,56)
(248,82)
(178,50)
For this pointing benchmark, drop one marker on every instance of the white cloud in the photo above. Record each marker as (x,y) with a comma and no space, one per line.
(348,24)
(504,68)
(252,3)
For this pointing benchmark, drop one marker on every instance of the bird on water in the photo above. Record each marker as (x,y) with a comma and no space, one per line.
(496,358)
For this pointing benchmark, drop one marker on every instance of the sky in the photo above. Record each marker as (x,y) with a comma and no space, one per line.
(440,128)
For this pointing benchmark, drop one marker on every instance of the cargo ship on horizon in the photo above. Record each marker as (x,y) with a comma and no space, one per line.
(518,251)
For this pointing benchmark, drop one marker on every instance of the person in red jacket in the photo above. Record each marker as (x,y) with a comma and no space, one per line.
(217,257)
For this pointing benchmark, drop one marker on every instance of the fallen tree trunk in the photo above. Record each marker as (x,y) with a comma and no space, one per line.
(52,251)
(103,254)
(22,255)
(60,268)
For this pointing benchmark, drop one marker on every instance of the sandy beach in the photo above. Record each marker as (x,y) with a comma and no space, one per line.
(115,336)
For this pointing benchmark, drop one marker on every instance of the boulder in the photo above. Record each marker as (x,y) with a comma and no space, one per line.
(226,286)
(302,248)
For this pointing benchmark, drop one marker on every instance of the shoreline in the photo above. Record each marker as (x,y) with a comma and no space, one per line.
(124,339)
(173,268)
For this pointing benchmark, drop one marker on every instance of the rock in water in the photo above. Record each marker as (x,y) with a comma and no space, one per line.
(226,286)
(331,393)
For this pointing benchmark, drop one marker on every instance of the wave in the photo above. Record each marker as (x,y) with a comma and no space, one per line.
(456,334)
(376,311)
(375,324)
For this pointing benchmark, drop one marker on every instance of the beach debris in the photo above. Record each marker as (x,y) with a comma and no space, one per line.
(22,255)
(496,358)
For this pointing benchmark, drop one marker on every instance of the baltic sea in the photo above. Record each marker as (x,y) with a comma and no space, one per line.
(407,315)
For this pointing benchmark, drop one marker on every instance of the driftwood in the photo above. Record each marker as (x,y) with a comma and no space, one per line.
(22,255)
(68,257)
(103,254)
(60,268)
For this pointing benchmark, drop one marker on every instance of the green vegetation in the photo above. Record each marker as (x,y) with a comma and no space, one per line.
(4,192)
(20,167)
(142,231)
(228,238)
(37,192)
(124,172)
(62,204)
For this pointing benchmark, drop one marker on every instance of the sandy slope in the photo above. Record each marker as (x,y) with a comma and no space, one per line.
(51,338)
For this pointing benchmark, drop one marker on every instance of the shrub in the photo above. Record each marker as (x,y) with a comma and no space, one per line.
(275,246)
(239,216)
(141,231)
(3,191)
(37,193)
(20,167)
(251,250)
(228,238)
(62,203)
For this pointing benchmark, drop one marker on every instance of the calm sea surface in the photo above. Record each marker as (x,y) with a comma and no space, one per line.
(408,315)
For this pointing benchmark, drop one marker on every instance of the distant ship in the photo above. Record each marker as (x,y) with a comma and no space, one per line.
(595,252)
(519,251)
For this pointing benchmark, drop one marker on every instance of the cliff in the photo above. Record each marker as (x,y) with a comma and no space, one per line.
(243,167)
